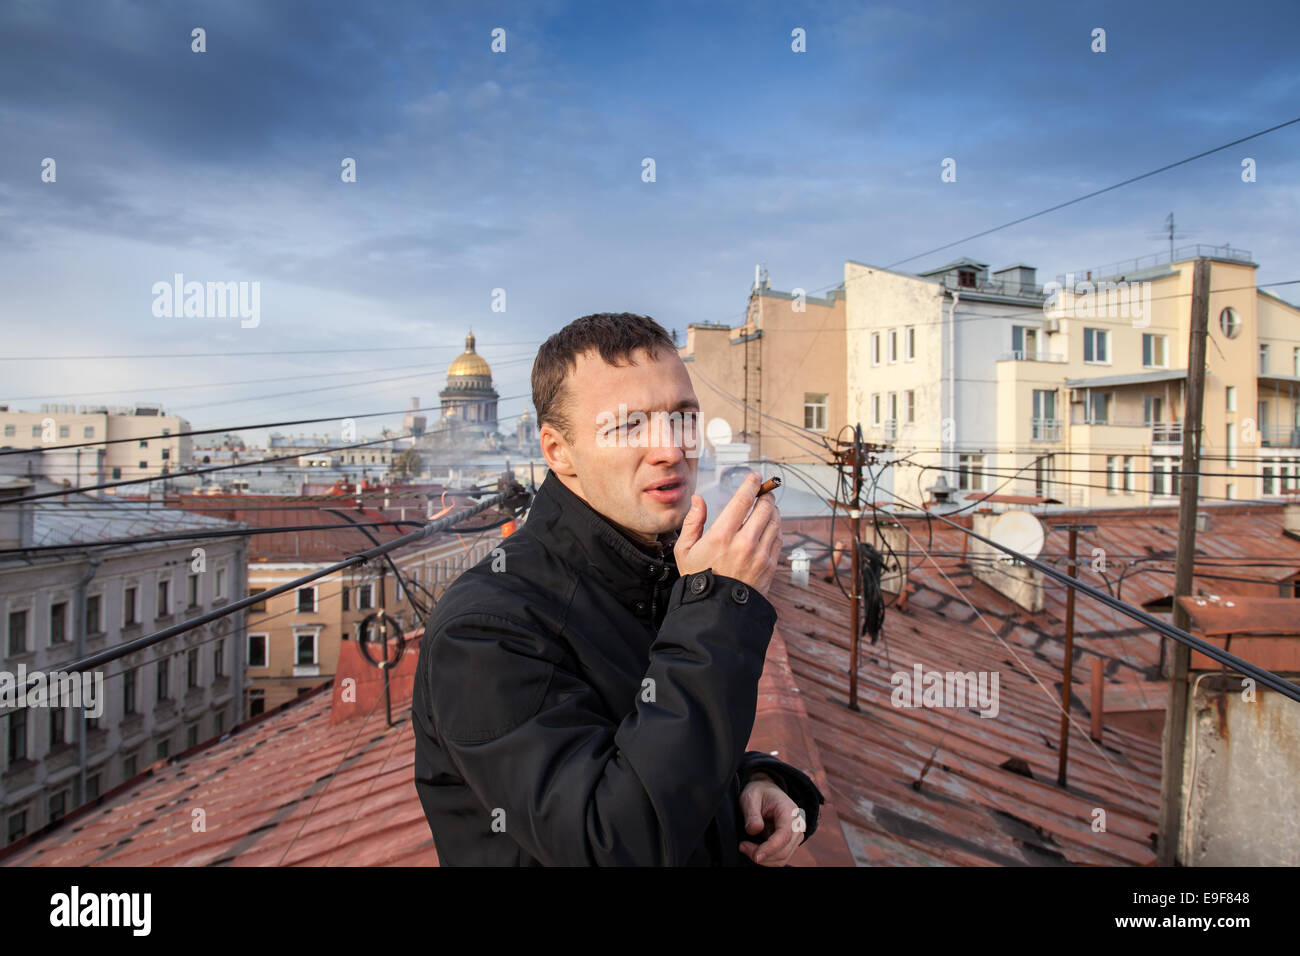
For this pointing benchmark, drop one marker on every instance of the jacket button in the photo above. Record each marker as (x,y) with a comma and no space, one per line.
(651,570)
(698,584)
(740,594)
(640,607)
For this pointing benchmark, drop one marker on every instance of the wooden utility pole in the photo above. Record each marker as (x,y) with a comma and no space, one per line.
(1175,734)
(855,457)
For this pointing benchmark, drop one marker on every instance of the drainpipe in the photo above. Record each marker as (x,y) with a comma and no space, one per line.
(952,376)
(80,605)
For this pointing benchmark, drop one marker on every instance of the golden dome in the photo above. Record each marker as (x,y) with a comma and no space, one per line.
(469,362)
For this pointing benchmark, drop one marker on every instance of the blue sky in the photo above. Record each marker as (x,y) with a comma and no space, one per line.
(522,171)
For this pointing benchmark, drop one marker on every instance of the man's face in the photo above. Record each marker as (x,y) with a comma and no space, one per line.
(611,463)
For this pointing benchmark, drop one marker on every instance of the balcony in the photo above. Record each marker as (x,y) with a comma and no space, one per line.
(1021,355)
(890,426)
(1280,436)
(1046,429)
(1166,433)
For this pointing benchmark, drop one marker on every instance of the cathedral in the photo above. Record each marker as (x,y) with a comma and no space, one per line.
(467,419)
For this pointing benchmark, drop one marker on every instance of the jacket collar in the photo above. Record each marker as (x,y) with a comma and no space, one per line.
(570,525)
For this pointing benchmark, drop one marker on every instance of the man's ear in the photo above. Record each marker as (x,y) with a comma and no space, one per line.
(556,451)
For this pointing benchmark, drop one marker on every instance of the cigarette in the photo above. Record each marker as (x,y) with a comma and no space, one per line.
(770,485)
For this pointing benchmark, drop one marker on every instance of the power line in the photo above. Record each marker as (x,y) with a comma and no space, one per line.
(275,353)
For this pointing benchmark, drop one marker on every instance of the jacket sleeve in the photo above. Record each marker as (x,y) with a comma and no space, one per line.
(797,785)
(536,744)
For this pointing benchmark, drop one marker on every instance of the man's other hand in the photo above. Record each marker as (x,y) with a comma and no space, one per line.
(768,808)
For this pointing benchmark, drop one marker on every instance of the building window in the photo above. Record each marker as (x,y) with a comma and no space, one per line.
(92,787)
(144,444)
(36,431)
(256,702)
(1098,408)
(1157,476)
(1263,360)
(306,600)
(58,727)
(1153,410)
(128,607)
(1269,487)
(1155,350)
(1112,474)
(59,622)
(970,472)
(17,825)
(1230,491)
(221,583)
(219,659)
(1024,342)
(893,346)
(875,348)
(192,590)
(306,649)
(1128,474)
(164,598)
(160,679)
(117,473)
(1232,445)
(144,465)
(219,719)
(58,805)
(160,750)
(192,668)
(1230,397)
(128,691)
(346,595)
(92,614)
(166,454)
(9,431)
(909,344)
(17,632)
(128,766)
(18,736)
(875,409)
(1295,362)
(966,278)
(814,412)
(909,407)
(260,606)
(1096,346)
(256,650)
(1229,322)
(88,431)
(192,735)
(64,431)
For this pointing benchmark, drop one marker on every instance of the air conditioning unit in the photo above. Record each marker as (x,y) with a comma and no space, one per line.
(1076,396)
(1051,324)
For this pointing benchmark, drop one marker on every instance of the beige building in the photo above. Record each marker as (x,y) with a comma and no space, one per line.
(786,361)
(140,441)
(292,642)
(987,381)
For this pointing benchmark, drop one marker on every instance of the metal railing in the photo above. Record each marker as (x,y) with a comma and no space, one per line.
(1046,429)
(1181,254)
(1166,433)
(1279,436)
(1021,355)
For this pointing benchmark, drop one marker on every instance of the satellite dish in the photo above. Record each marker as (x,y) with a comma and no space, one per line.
(718,432)
(1019,531)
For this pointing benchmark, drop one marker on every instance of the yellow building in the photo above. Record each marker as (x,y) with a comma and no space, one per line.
(784,363)
(145,443)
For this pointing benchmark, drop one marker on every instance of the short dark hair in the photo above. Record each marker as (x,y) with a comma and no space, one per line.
(615,335)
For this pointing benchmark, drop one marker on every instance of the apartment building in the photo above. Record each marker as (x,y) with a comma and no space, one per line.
(784,363)
(291,640)
(140,441)
(59,605)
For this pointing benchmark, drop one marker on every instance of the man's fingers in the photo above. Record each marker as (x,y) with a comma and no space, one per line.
(751,803)
(730,518)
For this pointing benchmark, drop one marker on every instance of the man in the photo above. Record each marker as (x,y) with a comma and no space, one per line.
(584,695)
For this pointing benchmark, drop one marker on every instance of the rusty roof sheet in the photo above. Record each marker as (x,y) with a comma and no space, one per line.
(1243,615)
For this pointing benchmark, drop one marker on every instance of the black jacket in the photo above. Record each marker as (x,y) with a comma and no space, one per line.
(577,702)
